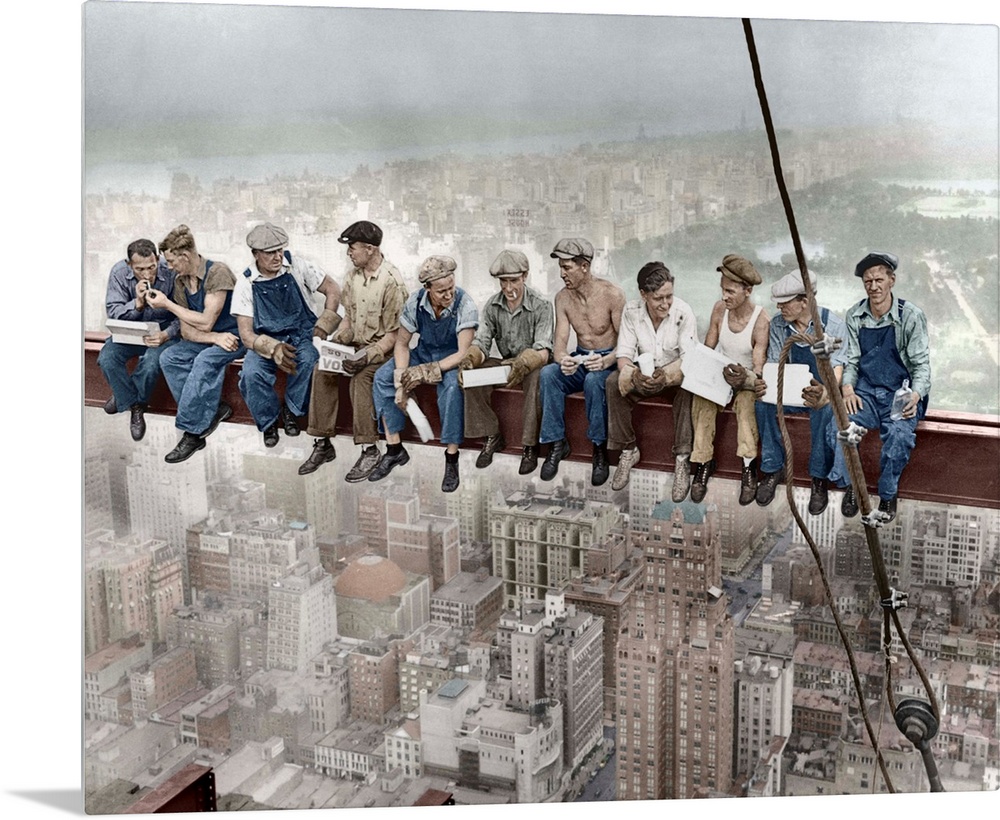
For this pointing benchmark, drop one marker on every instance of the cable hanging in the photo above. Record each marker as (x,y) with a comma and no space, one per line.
(917,720)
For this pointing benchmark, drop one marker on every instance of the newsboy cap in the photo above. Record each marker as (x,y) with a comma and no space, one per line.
(363,231)
(790,285)
(571,248)
(267,237)
(436,267)
(509,263)
(876,258)
(739,270)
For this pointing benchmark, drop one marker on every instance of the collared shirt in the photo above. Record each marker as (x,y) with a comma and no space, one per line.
(120,300)
(373,303)
(676,333)
(912,341)
(468,313)
(306,275)
(779,332)
(218,277)
(528,326)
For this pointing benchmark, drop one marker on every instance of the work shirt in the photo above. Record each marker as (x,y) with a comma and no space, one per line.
(636,335)
(306,275)
(468,313)
(529,326)
(120,299)
(219,277)
(780,330)
(373,303)
(912,341)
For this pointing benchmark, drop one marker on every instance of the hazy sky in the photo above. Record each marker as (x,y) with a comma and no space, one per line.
(163,62)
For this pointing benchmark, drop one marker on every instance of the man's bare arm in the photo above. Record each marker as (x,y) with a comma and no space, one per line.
(714,325)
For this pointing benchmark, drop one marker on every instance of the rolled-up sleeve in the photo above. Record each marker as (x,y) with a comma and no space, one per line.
(916,350)
(628,338)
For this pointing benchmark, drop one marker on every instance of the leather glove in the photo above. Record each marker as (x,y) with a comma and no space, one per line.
(327,322)
(284,358)
(352,366)
(735,375)
(402,396)
(672,375)
(427,373)
(645,386)
(264,345)
(473,358)
(523,363)
(343,335)
(815,395)
(626,379)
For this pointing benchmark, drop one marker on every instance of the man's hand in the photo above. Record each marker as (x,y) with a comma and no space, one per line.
(910,408)
(227,341)
(595,361)
(343,335)
(142,287)
(153,298)
(352,366)
(428,373)
(155,339)
(815,395)
(851,399)
(759,388)
(735,375)
(472,359)
(650,385)
(402,396)
(568,365)
(523,363)
(284,358)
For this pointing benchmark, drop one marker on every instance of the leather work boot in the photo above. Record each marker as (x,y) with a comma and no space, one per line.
(450,481)
(387,463)
(558,450)
(363,467)
(271,435)
(682,479)
(600,470)
(290,422)
(888,506)
(748,483)
(223,413)
(699,485)
(323,451)
(186,447)
(111,406)
(490,447)
(626,461)
(767,485)
(849,503)
(137,422)
(529,460)
(818,497)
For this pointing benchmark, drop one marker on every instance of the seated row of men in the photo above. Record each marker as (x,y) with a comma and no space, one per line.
(209,317)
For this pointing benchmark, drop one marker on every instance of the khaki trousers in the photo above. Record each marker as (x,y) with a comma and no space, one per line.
(621,433)
(703,413)
(324,402)
(481,420)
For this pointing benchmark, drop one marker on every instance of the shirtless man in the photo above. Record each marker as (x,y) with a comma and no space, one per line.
(592,308)
(739,330)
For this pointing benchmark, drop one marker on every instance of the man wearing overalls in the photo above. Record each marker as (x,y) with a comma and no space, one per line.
(274,308)
(887,344)
(446,318)
(195,367)
(795,317)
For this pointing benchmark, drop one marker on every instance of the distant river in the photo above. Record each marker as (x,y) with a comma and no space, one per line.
(986,186)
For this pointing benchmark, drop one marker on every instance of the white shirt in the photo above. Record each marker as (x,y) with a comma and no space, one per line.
(667,343)
(306,275)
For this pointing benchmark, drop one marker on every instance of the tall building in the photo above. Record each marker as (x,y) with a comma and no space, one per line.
(302,617)
(675,664)
(948,544)
(262,549)
(420,543)
(166,678)
(311,498)
(468,601)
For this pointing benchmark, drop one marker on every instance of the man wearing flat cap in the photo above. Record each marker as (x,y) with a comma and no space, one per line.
(519,322)
(738,330)
(658,327)
(446,318)
(275,310)
(372,299)
(795,318)
(887,346)
(592,308)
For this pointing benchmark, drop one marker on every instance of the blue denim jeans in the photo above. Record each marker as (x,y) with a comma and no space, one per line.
(258,376)
(195,373)
(555,387)
(772,451)
(450,401)
(134,388)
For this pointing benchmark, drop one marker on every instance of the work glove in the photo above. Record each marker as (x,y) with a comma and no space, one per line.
(626,379)
(815,395)
(523,363)
(428,373)
(352,366)
(343,335)
(284,357)
(739,378)
(472,359)
(327,322)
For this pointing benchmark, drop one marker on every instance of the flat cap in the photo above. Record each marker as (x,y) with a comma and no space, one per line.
(267,237)
(509,263)
(790,285)
(571,248)
(436,267)
(363,231)
(876,258)
(739,270)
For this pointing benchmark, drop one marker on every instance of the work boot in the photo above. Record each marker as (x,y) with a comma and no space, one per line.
(111,406)
(490,447)
(748,483)
(323,451)
(221,414)
(599,470)
(529,460)
(363,467)
(699,485)
(767,485)
(849,503)
(682,478)
(387,463)
(558,450)
(271,435)
(137,423)
(888,506)
(626,461)
(291,423)
(818,498)
(450,481)
(186,447)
